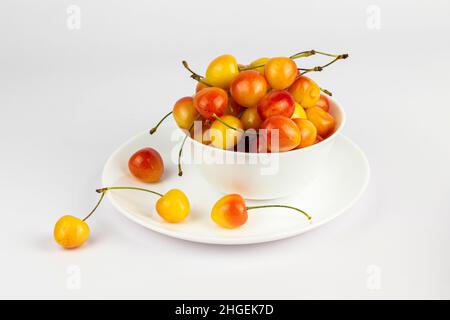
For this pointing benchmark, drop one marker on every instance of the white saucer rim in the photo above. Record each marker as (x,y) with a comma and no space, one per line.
(235,241)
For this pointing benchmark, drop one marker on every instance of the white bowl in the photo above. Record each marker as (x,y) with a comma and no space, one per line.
(263,176)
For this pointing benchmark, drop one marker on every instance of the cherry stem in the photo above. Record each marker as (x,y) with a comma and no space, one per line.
(309,53)
(104,190)
(96,207)
(231,127)
(326,92)
(180,153)
(152,131)
(305,54)
(281,206)
(194,75)
(320,68)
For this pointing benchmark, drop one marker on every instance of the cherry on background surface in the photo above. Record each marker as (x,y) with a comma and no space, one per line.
(146,165)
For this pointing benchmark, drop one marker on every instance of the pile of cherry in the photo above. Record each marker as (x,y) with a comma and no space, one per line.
(268,96)
(267,106)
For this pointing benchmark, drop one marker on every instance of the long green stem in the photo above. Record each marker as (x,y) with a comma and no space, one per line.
(103,190)
(231,127)
(152,131)
(320,68)
(180,153)
(309,53)
(303,54)
(280,206)
(96,207)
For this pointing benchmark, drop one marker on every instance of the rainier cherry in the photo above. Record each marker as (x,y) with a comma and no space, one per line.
(184,112)
(276,103)
(231,212)
(226,132)
(221,71)
(280,72)
(248,88)
(71,232)
(308,132)
(322,120)
(305,91)
(283,128)
(146,165)
(211,101)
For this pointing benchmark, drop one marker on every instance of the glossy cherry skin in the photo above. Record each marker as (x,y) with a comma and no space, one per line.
(174,206)
(299,112)
(283,128)
(184,112)
(322,120)
(211,101)
(260,64)
(276,103)
(146,165)
(230,211)
(305,91)
(222,71)
(323,103)
(308,132)
(71,232)
(248,88)
(222,136)
(280,72)
(250,119)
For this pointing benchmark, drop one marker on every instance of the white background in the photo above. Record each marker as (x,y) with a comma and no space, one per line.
(68,98)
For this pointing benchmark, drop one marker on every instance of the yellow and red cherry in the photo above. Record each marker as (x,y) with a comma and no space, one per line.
(282,134)
(308,132)
(231,211)
(210,101)
(248,88)
(250,119)
(299,112)
(184,112)
(276,103)
(222,71)
(322,120)
(146,165)
(323,103)
(305,91)
(259,65)
(280,72)
(70,232)
(226,131)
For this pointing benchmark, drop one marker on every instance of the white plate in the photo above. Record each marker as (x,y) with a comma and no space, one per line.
(343,180)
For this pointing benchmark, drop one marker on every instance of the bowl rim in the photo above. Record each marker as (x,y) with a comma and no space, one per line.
(333,136)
